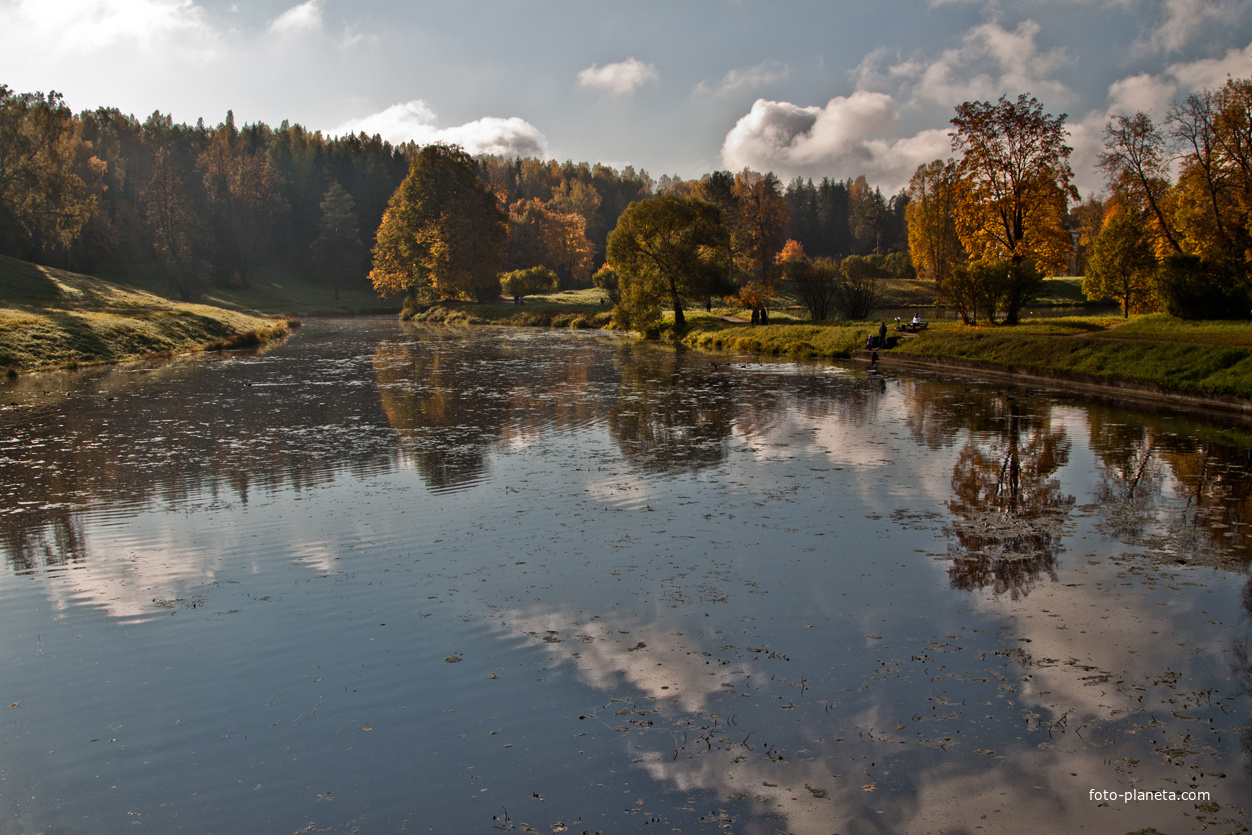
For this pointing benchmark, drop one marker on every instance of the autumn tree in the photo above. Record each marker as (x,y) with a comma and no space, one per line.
(857,289)
(1135,163)
(175,227)
(931,215)
(244,197)
(1015,187)
(338,252)
(539,235)
(606,279)
(527,282)
(1086,220)
(443,234)
(42,200)
(666,250)
(867,216)
(1122,265)
(758,230)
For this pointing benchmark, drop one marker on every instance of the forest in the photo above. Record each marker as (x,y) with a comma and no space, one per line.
(209,206)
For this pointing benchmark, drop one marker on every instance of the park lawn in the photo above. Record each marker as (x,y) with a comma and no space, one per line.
(1162,327)
(54,318)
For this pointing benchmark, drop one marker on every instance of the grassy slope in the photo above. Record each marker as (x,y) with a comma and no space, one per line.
(272,290)
(51,318)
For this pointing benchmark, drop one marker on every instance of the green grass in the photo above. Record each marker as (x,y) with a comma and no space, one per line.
(1162,327)
(1170,360)
(566,309)
(799,339)
(53,318)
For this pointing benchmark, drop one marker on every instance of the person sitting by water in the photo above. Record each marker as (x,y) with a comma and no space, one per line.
(917,319)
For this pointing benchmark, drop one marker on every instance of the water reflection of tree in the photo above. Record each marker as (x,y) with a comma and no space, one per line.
(452,395)
(443,412)
(1216,480)
(1130,472)
(673,411)
(1006,503)
(125,438)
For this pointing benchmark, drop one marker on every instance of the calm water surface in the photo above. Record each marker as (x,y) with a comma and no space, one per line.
(384,579)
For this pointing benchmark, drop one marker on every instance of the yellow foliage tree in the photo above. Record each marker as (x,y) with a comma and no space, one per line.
(1015,186)
(443,235)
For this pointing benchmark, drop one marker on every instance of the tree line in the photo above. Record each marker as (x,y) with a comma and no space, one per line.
(209,206)
(1173,233)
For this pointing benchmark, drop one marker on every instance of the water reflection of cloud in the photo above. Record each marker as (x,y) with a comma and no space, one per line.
(609,653)
(132,577)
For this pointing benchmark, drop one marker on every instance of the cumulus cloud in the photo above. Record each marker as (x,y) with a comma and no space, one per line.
(306,17)
(1145,92)
(415,121)
(621,78)
(747,78)
(844,138)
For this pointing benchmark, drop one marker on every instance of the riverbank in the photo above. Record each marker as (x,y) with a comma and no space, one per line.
(52,318)
(1152,356)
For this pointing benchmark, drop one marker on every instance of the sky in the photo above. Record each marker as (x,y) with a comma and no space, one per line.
(808,88)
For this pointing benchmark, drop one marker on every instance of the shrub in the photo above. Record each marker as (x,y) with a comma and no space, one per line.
(1195,288)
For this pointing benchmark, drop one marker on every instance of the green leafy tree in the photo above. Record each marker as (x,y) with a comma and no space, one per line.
(987,286)
(528,282)
(339,255)
(666,250)
(444,234)
(1015,188)
(1122,265)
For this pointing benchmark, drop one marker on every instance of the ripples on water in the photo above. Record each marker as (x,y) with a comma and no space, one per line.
(384,578)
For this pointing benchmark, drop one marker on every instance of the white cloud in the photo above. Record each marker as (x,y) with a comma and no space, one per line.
(619,79)
(991,61)
(747,78)
(306,17)
(76,26)
(1148,93)
(1182,21)
(841,139)
(1210,73)
(415,121)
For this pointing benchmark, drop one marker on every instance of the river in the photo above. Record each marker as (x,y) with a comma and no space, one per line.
(386,578)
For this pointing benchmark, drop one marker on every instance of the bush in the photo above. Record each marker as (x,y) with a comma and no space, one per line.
(1194,288)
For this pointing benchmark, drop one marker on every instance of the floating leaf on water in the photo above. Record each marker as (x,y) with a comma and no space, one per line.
(452,659)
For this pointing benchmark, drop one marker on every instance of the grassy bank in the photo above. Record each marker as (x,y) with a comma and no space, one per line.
(567,309)
(792,339)
(1204,358)
(51,318)
(1210,358)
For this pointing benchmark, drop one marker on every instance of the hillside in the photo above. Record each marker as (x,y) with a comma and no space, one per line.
(52,318)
